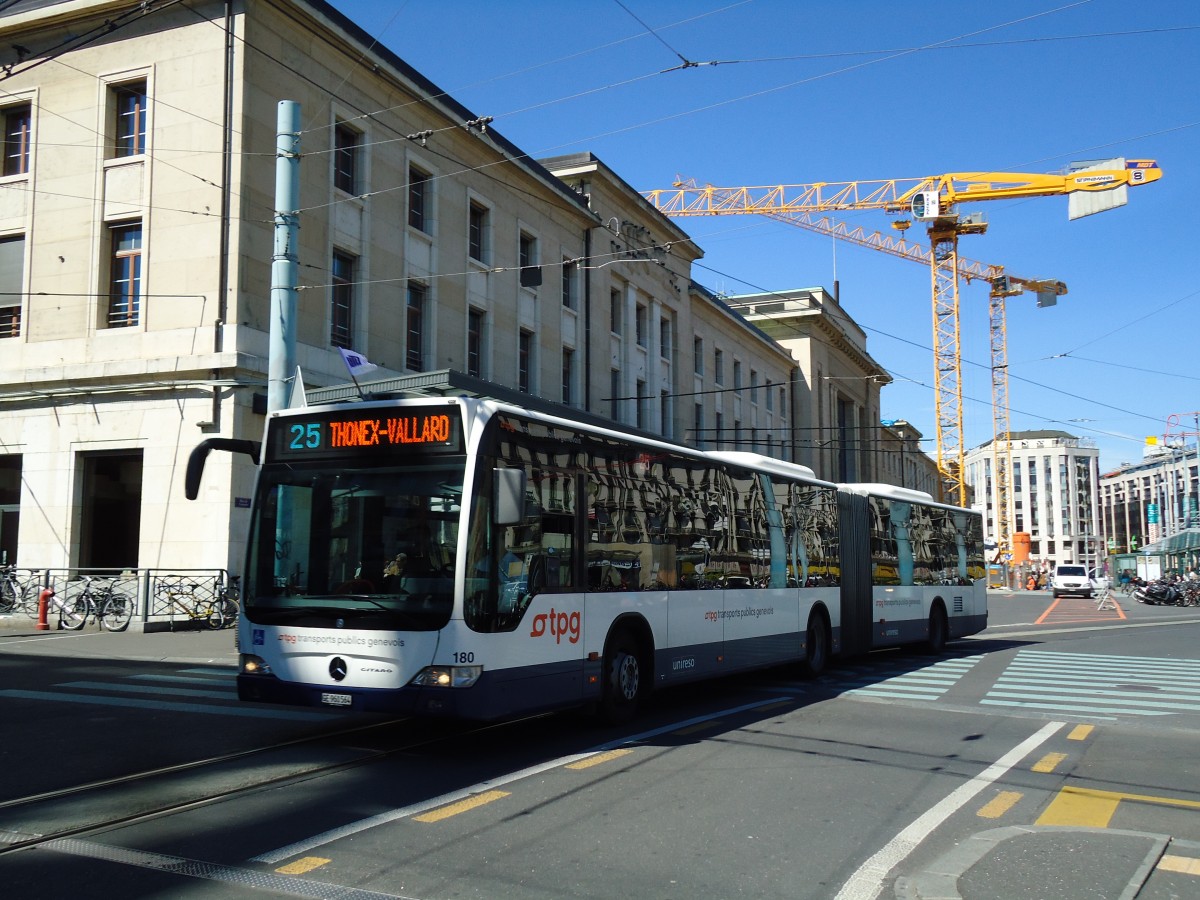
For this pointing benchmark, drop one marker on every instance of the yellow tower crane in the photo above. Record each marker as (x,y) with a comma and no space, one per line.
(931,200)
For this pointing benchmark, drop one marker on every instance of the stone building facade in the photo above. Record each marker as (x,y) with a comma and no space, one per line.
(137,211)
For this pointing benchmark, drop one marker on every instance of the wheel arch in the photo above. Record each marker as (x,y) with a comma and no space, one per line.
(637,626)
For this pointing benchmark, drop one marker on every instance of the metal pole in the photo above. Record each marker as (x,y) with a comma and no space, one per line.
(281,360)
(1195,494)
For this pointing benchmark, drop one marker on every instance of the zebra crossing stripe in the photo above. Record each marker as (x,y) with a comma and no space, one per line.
(1097,684)
(250,712)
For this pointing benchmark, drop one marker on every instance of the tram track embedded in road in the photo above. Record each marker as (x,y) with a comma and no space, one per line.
(17,811)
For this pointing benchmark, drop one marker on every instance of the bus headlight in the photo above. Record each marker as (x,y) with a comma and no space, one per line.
(253,665)
(448,676)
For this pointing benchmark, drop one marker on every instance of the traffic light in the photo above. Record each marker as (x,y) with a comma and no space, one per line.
(1133,542)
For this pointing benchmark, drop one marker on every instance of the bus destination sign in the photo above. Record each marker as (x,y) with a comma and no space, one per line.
(365,432)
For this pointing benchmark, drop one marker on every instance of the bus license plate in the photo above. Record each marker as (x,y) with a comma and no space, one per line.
(337,699)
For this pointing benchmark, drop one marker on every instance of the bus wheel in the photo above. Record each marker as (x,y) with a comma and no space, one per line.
(816,646)
(622,679)
(938,630)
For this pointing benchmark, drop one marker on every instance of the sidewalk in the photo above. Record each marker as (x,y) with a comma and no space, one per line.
(20,634)
(1061,862)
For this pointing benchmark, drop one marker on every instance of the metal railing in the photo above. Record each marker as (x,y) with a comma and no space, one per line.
(160,595)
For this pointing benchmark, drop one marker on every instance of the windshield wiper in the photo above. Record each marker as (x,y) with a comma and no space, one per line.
(362,597)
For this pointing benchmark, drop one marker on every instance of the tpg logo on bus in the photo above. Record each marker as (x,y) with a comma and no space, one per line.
(560,623)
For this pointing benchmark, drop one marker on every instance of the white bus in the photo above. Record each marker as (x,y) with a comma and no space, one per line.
(469,558)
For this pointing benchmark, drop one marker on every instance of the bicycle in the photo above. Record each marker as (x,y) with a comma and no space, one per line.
(213,610)
(229,597)
(109,608)
(18,594)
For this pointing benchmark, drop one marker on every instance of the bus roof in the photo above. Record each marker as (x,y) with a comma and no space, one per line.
(767,463)
(892,492)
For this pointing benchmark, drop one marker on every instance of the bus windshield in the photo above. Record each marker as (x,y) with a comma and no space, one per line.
(373,544)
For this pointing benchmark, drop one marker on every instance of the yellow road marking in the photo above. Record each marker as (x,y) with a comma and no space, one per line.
(702,726)
(775,705)
(598,759)
(1000,804)
(1083,806)
(1184,864)
(300,866)
(1080,732)
(461,806)
(1049,762)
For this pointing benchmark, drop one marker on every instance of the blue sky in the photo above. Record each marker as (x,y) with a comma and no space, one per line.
(858,90)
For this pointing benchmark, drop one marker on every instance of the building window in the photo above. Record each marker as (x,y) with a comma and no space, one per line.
(753,386)
(614,311)
(782,404)
(640,325)
(718,367)
(664,412)
(345,157)
(569,270)
(614,394)
(12,284)
(698,355)
(414,359)
(737,376)
(18,127)
(664,339)
(131,106)
(527,260)
(770,397)
(125,275)
(341,315)
(719,438)
(418,199)
(568,374)
(475,343)
(641,403)
(525,361)
(698,425)
(477,237)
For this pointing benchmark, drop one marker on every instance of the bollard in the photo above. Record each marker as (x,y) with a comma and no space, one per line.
(44,608)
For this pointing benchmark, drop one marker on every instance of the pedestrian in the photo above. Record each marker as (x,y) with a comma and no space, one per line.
(1031,583)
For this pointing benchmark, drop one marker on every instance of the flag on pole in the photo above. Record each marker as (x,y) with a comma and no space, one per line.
(356,362)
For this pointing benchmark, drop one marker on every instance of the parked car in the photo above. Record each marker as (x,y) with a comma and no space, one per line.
(1069,579)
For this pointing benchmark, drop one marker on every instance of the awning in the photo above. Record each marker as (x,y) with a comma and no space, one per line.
(1183,542)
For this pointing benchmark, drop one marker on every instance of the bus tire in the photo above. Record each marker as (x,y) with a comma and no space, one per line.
(939,630)
(624,675)
(816,645)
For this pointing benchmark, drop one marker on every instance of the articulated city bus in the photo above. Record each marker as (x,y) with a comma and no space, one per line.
(469,558)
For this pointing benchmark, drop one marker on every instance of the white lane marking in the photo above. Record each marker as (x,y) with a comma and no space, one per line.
(867,882)
(392,815)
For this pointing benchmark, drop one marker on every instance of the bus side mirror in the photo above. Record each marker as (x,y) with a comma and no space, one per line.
(508,504)
(195,464)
